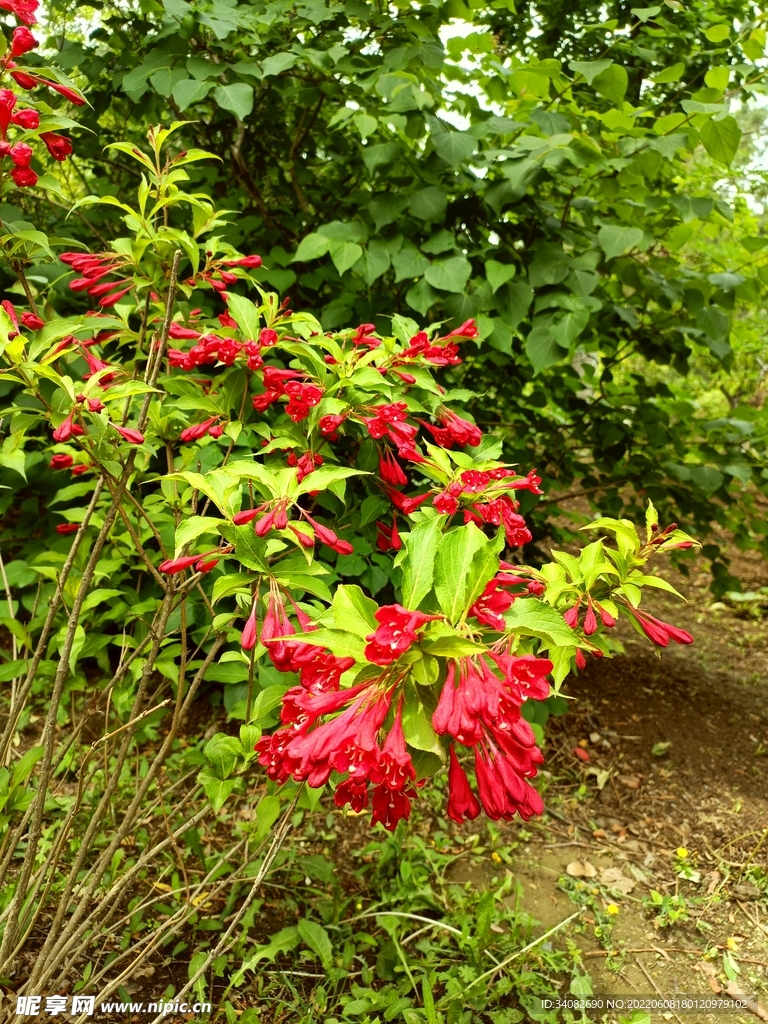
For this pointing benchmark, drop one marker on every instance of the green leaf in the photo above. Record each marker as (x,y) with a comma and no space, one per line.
(417,728)
(529,616)
(566,327)
(345,254)
(498,273)
(616,239)
(267,813)
(323,477)
(717,33)
(311,247)
(449,275)
(316,937)
(353,611)
(542,349)
(246,314)
(421,297)
(612,83)
(265,702)
(455,646)
(485,565)
(409,262)
(191,529)
(589,69)
(452,568)
(373,263)
(418,563)
(671,74)
(236,98)
(721,139)
(217,790)
(428,204)
(188,91)
(278,63)
(284,941)
(453,147)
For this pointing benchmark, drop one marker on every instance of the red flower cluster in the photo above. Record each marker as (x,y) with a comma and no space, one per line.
(349,744)
(658,632)
(480,710)
(210,427)
(302,394)
(390,420)
(93,268)
(29,320)
(454,430)
(305,464)
(276,518)
(218,278)
(397,631)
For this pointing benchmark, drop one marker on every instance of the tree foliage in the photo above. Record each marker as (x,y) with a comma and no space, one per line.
(521,166)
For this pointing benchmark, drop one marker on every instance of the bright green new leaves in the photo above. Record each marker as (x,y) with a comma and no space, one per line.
(464,563)
(420,547)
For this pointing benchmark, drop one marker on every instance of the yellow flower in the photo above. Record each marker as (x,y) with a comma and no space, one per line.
(612,909)
(495,858)
(732,944)
(682,852)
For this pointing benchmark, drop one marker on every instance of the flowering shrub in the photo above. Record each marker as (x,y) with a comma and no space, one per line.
(217,491)
(274,461)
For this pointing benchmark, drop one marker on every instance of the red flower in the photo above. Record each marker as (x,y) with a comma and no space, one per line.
(571,617)
(67,528)
(328,537)
(353,792)
(68,429)
(467,330)
(27,119)
(491,605)
(395,768)
(395,634)
(658,632)
(21,154)
(608,620)
(58,146)
(7,103)
(267,337)
(22,41)
(129,434)
(197,430)
(390,470)
(390,806)
(250,633)
(455,430)
(25,10)
(590,619)
(328,425)
(503,790)
(173,565)
(112,300)
(462,803)
(32,321)
(61,461)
